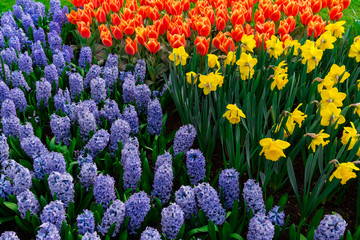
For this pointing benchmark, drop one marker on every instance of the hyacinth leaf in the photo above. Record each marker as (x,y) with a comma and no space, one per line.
(317,218)
(212,230)
(181,232)
(282,202)
(292,232)
(35,221)
(226,231)
(43,202)
(123,235)
(234,215)
(292,178)
(22,225)
(302,237)
(269,203)
(71,210)
(311,233)
(11,206)
(6,219)
(110,231)
(236,236)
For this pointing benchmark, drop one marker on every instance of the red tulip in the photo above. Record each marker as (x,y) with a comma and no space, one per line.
(291,9)
(220,23)
(84,29)
(276,14)
(203,26)
(116,31)
(218,40)
(128,26)
(227,45)
(316,6)
(100,15)
(72,17)
(106,38)
(202,45)
(130,46)
(237,17)
(77,3)
(154,14)
(306,16)
(336,13)
(176,40)
(127,14)
(115,19)
(152,45)
(237,32)
(345,3)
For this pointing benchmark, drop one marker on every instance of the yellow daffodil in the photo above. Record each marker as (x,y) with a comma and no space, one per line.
(330,114)
(213,60)
(332,96)
(336,74)
(233,114)
(230,58)
(280,76)
(355,51)
(274,47)
(336,28)
(311,55)
(325,41)
(350,134)
(295,116)
(246,65)
(298,115)
(189,77)
(273,149)
(318,139)
(178,56)
(248,43)
(209,82)
(289,126)
(344,171)
(358,86)
(218,77)
(291,43)
(356,109)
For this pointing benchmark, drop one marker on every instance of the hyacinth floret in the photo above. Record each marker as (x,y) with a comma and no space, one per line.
(154,118)
(11,168)
(131,146)
(54,27)
(209,201)
(114,214)
(142,97)
(51,74)
(54,40)
(163,182)
(98,89)
(38,54)
(195,165)
(104,190)
(39,35)
(8,108)
(22,181)
(9,56)
(330,227)
(25,63)
(85,222)
(150,234)
(129,89)
(61,98)
(18,97)
(98,142)
(87,123)
(164,158)
(4,89)
(54,213)
(130,115)
(33,146)
(276,216)
(110,75)
(9,235)
(48,231)
(185,198)
(55,162)
(59,61)
(68,53)
(112,61)
(140,71)
(5,187)
(120,131)
(62,185)
(18,80)
(14,43)
(43,92)
(132,170)
(229,185)
(94,72)
(26,131)
(87,175)
(253,196)
(172,218)
(60,126)
(184,139)
(4,148)
(11,126)
(260,227)
(85,57)
(76,85)
(110,111)
(136,208)
(27,202)
(91,236)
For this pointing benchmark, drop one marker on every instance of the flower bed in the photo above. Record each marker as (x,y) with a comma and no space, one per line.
(86,150)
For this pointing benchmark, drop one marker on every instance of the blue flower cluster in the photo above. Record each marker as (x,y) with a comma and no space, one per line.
(85,222)
(184,139)
(62,185)
(114,214)
(330,227)
(260,227)
(150,234)
(195,165)
(229,186)
(27,202)
(137,207)
(154,118)
(253,197)
(54,213)
(185,198)
(104,190)
(172,218)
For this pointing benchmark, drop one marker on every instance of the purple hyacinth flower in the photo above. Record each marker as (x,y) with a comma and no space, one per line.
(86,122)
(27,202)
(142,97)
(51,74)
(163,182)
(48,231)
(253,196)
(140,71)
(54,41)
(26,131)
(54,27)
(55,162)
(62,185)
(61,99)
(195,165)
(9,56)
(4,148)
(25,63)
(85,57)
(11,126)
(18,97)
(87,175)
(330,227)
(172,218)
(17,79)
(59,61)
(5,187)
(128,90)
(60,126)
(38,54)
(131,146)
(165,158)
(184,139)
(98,142)
(9,235)
(229,184)
(22,181)
(150,234)
(39,35)
(154,118)
(94,72)
(104,190)
(4,90)
(54,213)
(209,201)
(98,89)
(43,92)
(114,214)
(112,61)
(185,198)
(15,43)
(110,75)
(120,131)
(132,170)
(276,216)
(130,115)
(137,207)
(68,53)
(85,222)
(110,111)
(8,108)
(91,236)
(33,146)
(76,85)
(260,228)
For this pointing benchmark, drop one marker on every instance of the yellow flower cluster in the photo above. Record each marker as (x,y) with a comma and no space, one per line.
(234,114)
(273,149)
(344,171)
(280,76)
(355,49)
(179,55)
(246,65)
(294,117)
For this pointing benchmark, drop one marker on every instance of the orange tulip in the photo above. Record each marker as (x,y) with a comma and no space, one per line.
(176,40)
(237,32)
(306,16)
(259,17)
(84,29)
(106,7)
(267,27)
(115,5)
(286,37)
(315,27)
(336,13)
(291,9)
(152,32)
(139,21)
(115,19)
(218,40)
(128,26)
(283,29)
(316,6)
(186,5)
(89,9)
(72,17)
(202,45)
(85,17)
(143,11)
(141,35)
(127,14)
(248,30)
(220,23)
(160,5)
(100,15)
(209,12)
(116,31)
(261,40)
(267,10)
(77,3)
(291,22)
(203,26)
(276,14)
(237,17)
(152,45)
(130,46)
(345,3)
(154,14)
(107,40)
(103,28)
(227,45)
(176,8)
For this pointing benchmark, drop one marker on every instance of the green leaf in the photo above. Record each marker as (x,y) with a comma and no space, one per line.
(236,236)
(226,231)
(22,225)
(11,205)
(212,231)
